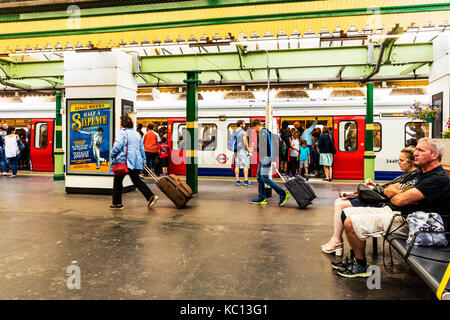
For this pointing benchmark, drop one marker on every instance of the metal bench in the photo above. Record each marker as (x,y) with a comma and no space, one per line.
(432,264)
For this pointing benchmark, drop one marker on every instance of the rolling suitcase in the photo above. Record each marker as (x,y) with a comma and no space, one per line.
(174,188)
(300,189)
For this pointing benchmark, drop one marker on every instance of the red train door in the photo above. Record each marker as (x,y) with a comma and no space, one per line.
(349,138)
(176,135)
(41,144)
(254,158)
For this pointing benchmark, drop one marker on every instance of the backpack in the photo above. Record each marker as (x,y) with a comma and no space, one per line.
(430,224)
(282,146)
(232,144)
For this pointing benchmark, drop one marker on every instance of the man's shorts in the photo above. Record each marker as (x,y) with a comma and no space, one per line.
(304,164)
(241,159)
(374,222)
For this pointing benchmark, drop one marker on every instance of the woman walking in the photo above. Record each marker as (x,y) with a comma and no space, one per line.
(128,149)
(326,157)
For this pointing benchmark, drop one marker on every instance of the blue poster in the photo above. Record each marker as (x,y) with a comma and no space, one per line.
(90,136)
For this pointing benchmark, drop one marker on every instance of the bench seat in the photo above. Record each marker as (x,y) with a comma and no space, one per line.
(420,261)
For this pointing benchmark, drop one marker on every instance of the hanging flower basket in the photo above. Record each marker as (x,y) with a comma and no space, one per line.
(422,111)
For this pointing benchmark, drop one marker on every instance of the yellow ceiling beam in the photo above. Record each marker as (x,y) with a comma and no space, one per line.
(302,25)
(210,13)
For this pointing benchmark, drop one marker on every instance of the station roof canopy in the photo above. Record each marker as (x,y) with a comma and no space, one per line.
(328,56)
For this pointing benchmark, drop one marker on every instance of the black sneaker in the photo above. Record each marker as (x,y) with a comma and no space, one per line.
(119,206)
(343,265)
(355,271)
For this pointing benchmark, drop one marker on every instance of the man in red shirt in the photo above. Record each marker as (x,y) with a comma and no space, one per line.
(151,140)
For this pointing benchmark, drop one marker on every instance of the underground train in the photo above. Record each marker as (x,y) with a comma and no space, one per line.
(217,120)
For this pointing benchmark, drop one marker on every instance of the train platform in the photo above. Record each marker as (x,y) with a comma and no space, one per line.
(219,247)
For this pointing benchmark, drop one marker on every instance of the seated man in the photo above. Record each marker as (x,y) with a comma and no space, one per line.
(430,194)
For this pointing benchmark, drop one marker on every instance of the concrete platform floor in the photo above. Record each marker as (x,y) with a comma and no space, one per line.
(220,247)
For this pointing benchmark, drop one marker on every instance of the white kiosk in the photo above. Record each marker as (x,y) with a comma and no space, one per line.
(99,87)
(439,88)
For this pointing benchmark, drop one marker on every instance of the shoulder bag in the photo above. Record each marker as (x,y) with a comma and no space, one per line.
(371,196)
(332,148)
(20,144)
(121,168)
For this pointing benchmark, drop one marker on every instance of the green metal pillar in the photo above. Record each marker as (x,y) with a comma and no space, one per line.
(59,152)
(191,140)
(369,155)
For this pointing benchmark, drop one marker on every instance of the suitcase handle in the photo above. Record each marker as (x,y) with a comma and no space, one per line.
(284,181)
(151,173)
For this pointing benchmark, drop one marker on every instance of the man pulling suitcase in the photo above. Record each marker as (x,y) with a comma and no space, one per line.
(266,158)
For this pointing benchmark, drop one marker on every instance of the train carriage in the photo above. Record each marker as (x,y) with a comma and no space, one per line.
(217,119)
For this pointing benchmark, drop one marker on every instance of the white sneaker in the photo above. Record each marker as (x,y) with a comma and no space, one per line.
(5,174)
(152,201)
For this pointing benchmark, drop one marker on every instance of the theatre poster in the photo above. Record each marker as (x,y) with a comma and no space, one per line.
(90,136)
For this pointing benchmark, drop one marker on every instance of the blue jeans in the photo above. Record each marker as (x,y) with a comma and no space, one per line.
(263,178)
(14,163)
(2,160)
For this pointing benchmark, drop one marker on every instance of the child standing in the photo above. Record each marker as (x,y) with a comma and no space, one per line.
(304,157)
(164,155)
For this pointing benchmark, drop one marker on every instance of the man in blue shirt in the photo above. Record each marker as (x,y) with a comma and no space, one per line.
(307,134)
(241,156)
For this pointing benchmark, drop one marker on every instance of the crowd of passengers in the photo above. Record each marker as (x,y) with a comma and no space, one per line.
(14,150)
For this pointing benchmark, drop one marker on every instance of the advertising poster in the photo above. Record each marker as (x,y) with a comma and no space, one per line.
(89,136)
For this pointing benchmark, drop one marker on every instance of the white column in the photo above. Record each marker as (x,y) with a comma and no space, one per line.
(97,76)
(440,73)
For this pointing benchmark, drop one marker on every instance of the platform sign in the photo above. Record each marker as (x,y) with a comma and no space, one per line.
(90,136)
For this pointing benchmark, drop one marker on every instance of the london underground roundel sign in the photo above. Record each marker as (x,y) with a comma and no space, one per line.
(222,158)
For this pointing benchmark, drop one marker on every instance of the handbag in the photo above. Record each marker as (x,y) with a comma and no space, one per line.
(332,148)
(431,226)
(20,144)
(371,196)
(121,168)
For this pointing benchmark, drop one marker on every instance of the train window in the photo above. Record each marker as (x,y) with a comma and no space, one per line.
(415,131)
(41,135)
(178,135)
(207,137)
(348,136)
(158,123)
(16,123)
(376,136)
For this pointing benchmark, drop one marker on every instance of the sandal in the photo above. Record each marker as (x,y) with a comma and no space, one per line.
(338,249)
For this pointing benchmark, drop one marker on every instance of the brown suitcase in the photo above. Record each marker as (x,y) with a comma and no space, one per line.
(173,187)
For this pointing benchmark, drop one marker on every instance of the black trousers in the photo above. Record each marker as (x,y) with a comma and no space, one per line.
(118,186)
(151,159)
(293,164)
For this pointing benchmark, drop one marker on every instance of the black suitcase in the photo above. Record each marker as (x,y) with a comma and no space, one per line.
(300,189)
